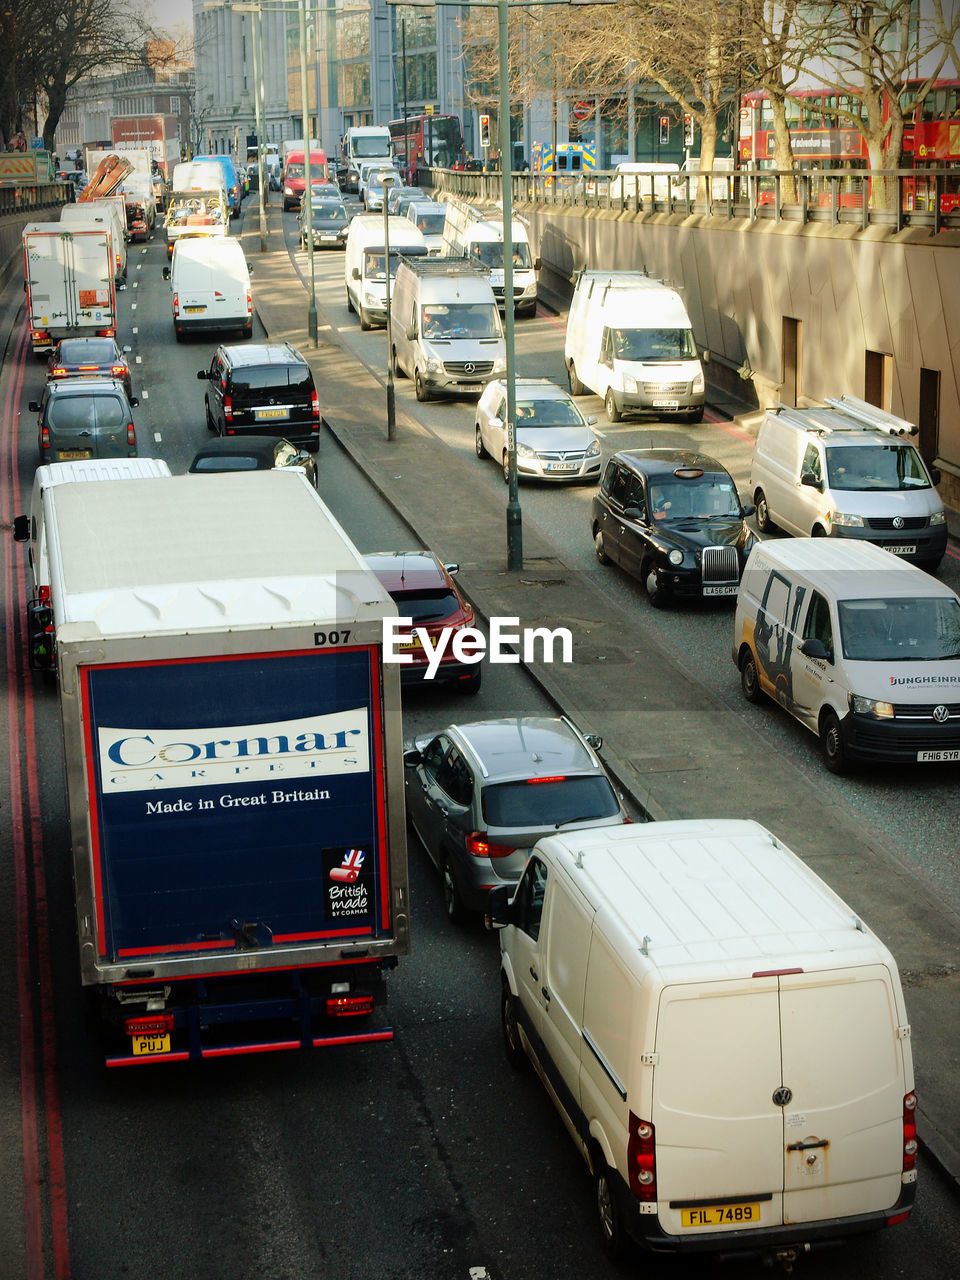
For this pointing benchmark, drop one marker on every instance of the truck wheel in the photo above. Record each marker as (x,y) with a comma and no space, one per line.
(612,1235)
(576,386)
(511,1031)
(831,742)
(179,334)
(481,451)
(423,392)
(610,404)
(248,330)
(456,911)
(764,523)
(749,680)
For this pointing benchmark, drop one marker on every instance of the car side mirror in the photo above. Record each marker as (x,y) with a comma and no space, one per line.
(499,912)
(747,509)
(593,740)
(452,569)
(412,333)
(412,758)
(816,649)
(496,422)
(21,528)
(633,513)
(133,401)
(356,273)
(34,406)
(810,480)
(591,421)
(202,374)
(536,264)
(935,474)
(166,275)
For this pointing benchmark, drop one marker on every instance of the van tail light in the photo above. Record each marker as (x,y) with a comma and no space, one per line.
(44,437)
(314,405)
(228,408)
(152,1024)
(481,846)
(909,1132)
(249,304)
(131,434)
(642,1159)
(176,304)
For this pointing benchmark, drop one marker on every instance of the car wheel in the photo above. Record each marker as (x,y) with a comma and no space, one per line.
(365,324)
(749,680)
(512,1046)
(613,1238)
(764,523)
(423,393)
(453,903)
(576,386)
(505,466)
(831,742)
(610,404)
(818,531)
(651,585)
(481,451)
(211,425)
(598,546)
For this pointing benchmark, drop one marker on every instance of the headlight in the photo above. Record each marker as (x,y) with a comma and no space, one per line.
(592,449)
(434,365)
(373,299)
(847,520)
(870,707)
(524,451)
(676,556)
(500,364)
(630,384)
(698,382)
(938,517)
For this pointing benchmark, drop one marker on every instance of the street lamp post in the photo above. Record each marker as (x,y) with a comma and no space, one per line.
(307,190)
(391,403)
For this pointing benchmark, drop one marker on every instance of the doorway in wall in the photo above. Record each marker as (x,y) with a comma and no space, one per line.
(878,379)
(928,414)
(792,355)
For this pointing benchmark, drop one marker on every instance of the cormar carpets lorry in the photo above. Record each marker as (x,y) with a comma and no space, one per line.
(69,282)
(232,741)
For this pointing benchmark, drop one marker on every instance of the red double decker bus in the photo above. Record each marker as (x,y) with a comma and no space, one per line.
(426,142)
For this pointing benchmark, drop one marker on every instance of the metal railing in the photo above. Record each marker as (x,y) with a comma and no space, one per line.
(21,199)
(896,198)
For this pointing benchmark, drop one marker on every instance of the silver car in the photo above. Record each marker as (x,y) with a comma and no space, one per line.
(481,795)
(554,440)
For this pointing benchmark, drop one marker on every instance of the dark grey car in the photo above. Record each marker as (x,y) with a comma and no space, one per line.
(85,418)
(480,795)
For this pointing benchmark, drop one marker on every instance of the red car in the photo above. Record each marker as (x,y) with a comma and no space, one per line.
(424,590)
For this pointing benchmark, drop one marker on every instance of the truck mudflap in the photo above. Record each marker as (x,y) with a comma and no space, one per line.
(229,1015)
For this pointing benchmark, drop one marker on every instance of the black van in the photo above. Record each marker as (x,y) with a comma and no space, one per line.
(266,389)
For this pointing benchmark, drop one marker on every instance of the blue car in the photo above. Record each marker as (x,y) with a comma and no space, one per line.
(232,179)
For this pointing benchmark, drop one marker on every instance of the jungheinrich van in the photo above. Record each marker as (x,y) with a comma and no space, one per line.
(210,279)
(445,326)
(469,232)
(725,1039)
(860,647)
(103,213)
(364,268)
(846,469)
(629,340)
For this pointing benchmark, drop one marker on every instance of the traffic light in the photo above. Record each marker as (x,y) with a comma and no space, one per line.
(484,131)
(664,130)
(688,131)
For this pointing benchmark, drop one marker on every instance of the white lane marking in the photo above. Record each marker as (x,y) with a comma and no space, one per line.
(158,438)
(139,359)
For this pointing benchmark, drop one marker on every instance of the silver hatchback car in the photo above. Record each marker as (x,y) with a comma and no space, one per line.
(480,796)
(554,440)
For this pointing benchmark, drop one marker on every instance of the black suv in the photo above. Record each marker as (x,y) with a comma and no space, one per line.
(265,389)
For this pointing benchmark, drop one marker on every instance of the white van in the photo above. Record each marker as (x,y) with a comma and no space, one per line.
(724,1038)
(643,181)
(364,269)
(210,279)
(468,232)
(629,340)
(445,326)
(845,469)
(108,212)
(860,647)
(429,217)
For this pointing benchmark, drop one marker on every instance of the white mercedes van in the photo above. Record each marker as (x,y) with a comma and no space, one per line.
(445,329)
(469,232)
(726,1041)
(859,646)
(629,340)
(210,283)
(365,274)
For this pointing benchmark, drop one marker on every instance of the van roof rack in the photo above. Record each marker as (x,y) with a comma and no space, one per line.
(856,415)
(870,417)
(446,265)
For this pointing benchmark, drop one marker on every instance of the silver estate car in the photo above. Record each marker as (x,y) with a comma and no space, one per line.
(480,795)
(554,440)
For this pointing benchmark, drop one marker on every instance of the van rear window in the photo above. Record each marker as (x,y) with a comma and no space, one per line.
(549,804)
(898,630)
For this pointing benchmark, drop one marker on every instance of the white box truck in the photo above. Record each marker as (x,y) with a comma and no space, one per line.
(725,1039)
(69,282)
(361,142)
(471,233)
(232,747)
(629,340)
(108,211)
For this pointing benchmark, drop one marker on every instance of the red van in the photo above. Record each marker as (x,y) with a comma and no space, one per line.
(293,177)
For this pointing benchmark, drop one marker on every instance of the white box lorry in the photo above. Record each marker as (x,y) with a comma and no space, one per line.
(109,211)
(725,1039)
(471,233)
(69,282)
(197,205)
(232,745)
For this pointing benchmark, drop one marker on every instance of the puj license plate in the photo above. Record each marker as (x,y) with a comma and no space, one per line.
(145,1045)
(721,1215)
(937,757)
(900,549)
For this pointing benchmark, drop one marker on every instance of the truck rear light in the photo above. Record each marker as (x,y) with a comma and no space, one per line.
(642,1159)
(314,405)
(909,1132)
(151,1024)
(131,434)
(228,408)
(40,337)
(106,333)
(481,846)
(44,437)
(356,1006)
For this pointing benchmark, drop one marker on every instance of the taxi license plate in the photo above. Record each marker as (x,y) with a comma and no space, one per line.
(727,589)
(143,1046)
(934,757)
(563,466)
(192,311)
(70,455)
(271,413)
(720,1215)
(666,404)
(901,549)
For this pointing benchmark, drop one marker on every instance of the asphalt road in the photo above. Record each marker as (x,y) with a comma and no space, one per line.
(427,1158)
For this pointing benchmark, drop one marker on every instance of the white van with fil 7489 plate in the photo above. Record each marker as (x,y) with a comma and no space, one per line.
(861,647)
(725,1040)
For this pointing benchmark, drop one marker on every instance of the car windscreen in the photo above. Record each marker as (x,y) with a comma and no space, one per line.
(294,171)
(898,630)
(428,604)
(369,147)
(653,344)
(709,496)
(490,253)
(85,412)
(266,378)
(548,802)
(373,262)
(431,224)
(876,466)
(548,413)
(461,320)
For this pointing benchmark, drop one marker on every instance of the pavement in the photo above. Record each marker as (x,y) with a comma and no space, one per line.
(672,745)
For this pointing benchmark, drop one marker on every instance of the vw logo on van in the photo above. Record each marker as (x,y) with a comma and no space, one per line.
(782,1096)
(898,522)
(941,714)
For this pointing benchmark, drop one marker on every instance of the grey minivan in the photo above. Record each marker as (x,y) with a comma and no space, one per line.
(85,418)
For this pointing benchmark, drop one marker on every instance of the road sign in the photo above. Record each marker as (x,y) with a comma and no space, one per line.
(582,110)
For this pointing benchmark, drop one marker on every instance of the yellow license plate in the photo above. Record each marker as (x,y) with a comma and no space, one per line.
(271,413)
(413,644)
(70,455)
(721,1215)
(145,1045)
(192,311)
